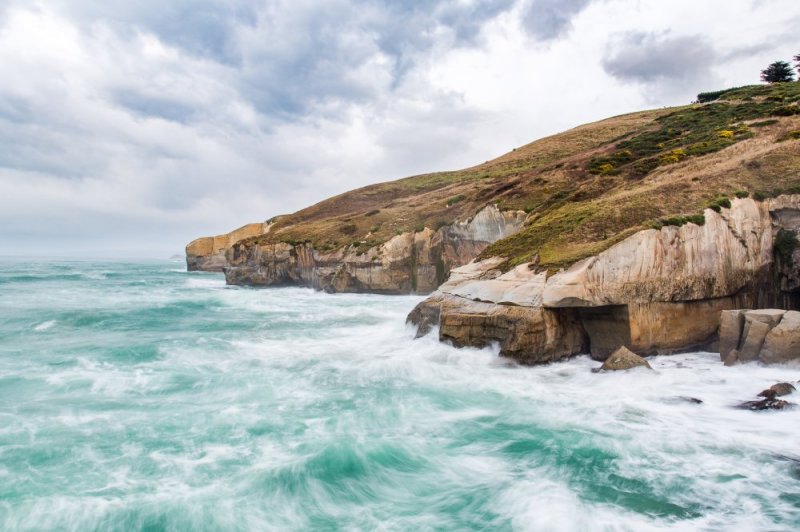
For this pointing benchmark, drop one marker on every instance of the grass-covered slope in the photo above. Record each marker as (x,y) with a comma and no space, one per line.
(589,187)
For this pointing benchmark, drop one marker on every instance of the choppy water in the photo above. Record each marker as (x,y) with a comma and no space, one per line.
(142,397)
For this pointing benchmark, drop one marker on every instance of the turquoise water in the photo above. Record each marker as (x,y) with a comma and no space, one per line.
(136,396)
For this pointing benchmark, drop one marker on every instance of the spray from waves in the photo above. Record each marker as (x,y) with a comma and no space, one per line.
(45,325)
(167,403)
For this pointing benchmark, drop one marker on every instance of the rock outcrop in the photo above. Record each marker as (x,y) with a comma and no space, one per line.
(208,253)
(768,336)
(657,291)
(622,359)
(412,262)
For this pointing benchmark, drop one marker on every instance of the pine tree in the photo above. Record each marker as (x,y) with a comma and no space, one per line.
(797,63)
(778,72)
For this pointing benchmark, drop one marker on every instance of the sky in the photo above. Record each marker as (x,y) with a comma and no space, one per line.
(127,129)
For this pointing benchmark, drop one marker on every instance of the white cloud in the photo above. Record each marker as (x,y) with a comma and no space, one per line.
(131,134)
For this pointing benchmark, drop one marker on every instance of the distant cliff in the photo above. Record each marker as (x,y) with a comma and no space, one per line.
(208,253)
(411,262)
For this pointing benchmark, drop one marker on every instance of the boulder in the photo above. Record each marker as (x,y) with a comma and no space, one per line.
(770,317)
(731,324)
(623,358)
(733,358)
(777,390)
(754,339)
(782,343)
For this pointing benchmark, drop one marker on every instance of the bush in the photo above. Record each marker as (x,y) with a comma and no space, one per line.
(787,110)
(725,134)
(678,221)
(764,123)
(348,229)
(639,169)
(705,97)
(741,194)
(759,196)
(373,212)
(672,156)
(455,199)
(719,203)
(785,244)
(790,135)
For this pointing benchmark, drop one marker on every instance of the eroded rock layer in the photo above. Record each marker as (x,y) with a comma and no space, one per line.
(412,262)
(208,253)
(657,291)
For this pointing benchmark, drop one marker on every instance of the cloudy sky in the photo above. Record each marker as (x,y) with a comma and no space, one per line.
(129,128)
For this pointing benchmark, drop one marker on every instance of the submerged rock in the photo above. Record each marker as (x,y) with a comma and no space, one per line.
(622,359)
(764,404)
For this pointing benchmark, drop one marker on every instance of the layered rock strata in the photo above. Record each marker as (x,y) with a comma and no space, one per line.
(208,253)
(412,262)
(657,291)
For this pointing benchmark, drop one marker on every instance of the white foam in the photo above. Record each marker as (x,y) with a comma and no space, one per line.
(45,325)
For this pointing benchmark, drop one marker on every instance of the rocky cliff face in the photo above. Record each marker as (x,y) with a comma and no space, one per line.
(411,262)
(656,291)
(208,253)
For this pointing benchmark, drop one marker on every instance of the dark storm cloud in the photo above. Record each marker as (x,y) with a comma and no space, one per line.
(546,20)
(649,57)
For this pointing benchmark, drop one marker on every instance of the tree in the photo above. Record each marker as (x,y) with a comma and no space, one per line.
(797,62)
(778,72)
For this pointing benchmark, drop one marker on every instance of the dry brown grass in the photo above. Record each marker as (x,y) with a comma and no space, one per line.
(573,213)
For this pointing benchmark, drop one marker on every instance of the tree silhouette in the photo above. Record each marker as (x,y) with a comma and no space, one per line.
(778,72)
(797,62)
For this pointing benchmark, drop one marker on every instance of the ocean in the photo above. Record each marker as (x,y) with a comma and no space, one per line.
(137,396)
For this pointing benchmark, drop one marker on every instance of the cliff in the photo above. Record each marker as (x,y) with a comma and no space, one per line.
(208,253)
(555,207)
(656,291)
(411,262)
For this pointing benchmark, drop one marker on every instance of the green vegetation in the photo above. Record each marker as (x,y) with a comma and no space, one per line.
(790,135)
(764,123)
(678,221)
(587,188)
(691,131)
(785,244)
(455,199)
(778,72)
(705,97)
(348,229)
(717,204)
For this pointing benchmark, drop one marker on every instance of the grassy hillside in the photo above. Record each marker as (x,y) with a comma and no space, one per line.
(589,187)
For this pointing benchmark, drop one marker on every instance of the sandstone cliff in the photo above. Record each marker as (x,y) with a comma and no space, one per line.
(208,253)
(637,230)
(656,291)
(411,262)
